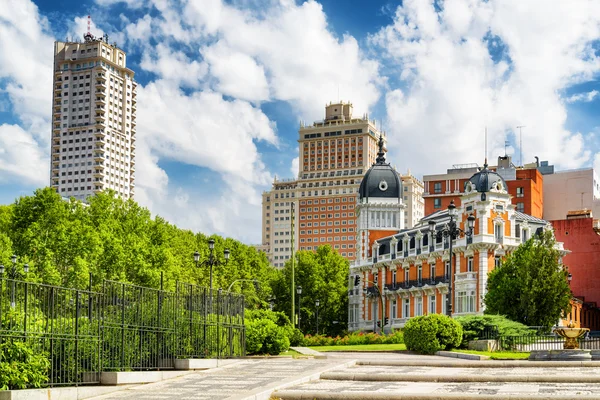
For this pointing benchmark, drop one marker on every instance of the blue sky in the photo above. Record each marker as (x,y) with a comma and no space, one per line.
(224,84)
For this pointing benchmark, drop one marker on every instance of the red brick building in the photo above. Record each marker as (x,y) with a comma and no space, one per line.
(524,184)
(580,234)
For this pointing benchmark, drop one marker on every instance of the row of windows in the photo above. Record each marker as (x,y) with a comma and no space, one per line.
(327,150)
(329,208)
(309,224)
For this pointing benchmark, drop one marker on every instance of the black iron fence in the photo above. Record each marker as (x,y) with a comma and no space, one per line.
(122,328)
(542,342)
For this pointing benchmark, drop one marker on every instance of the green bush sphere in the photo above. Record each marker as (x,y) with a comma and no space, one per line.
(430,333)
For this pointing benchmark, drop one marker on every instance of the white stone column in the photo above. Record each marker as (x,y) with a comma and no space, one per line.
(483,273)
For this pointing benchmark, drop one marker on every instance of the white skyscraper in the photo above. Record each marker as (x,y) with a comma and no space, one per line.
(94,119)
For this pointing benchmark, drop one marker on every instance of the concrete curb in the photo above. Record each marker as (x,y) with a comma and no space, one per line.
(479,364)
(464,356)
(306,351)
(80,392)
(462,378)
(266,394)
(315,395)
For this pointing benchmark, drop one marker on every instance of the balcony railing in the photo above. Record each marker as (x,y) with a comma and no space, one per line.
(417,283)
(465,276)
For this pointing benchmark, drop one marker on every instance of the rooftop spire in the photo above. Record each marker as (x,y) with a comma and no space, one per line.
(381,155)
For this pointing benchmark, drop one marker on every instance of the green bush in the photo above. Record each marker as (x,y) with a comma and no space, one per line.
(263,336)
(430,333)
(474,327)
(21,367)
(269,332)
(355,338)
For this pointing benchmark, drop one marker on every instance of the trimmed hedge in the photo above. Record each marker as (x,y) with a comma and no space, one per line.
(353,338)
(430,333)
(474,327)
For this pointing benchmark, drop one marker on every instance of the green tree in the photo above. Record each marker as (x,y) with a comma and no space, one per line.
(322,275)
(64,241)
(530,286)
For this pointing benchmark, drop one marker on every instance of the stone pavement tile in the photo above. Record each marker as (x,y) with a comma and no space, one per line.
(232,381)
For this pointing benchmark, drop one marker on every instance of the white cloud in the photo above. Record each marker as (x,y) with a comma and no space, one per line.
(129,3)
(303,62)
(21,160)
(203,129)
(295,169)
(27,74)
(238,74)
(583,97)
(279,51)
(174,66)
(454,88)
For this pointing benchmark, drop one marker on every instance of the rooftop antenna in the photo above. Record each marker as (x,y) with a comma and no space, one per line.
(520,127)
(485,163)
(88,35)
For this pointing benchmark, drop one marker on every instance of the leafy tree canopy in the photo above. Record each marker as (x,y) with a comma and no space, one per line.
(530,286)
(65,240)
(323,275)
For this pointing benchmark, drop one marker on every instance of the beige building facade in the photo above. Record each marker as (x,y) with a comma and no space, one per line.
(412,195)
(317,207)
(571,190)
(93,120)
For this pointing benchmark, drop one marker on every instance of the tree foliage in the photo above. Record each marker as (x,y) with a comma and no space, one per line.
(65,240)
(530,286)
(322,275)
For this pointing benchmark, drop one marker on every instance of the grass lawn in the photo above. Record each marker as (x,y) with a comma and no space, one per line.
(498,355)
(361,347)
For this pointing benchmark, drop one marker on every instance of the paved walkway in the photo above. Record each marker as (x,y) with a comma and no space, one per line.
(248,379)
(325,389)
(422,382)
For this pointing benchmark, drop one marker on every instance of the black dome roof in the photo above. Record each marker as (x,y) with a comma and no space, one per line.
(381,180)
(486,180)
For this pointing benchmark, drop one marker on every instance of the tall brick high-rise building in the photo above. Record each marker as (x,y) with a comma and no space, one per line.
(94,119)
(334,154)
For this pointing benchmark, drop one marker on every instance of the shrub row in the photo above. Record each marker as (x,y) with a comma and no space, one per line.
(354,338)
(475,326)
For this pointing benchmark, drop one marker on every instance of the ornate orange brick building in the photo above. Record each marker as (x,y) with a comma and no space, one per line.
(416,271)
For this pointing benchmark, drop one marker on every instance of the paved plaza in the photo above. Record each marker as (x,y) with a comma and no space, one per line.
(376,376)
(247,379)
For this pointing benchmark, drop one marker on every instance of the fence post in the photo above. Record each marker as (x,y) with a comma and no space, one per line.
(1,297)
(122,325)
(76,337)
(90,305)
(25,311)
(218,323)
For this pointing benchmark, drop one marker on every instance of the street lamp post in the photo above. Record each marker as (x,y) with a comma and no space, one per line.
(212,260)
(317,304)
(451,231)
(13,274)
(298,292)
